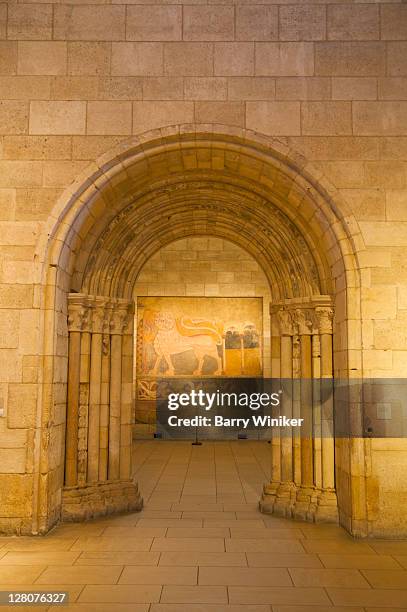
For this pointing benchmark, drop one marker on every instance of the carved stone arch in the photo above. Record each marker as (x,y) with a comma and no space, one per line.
(151,190)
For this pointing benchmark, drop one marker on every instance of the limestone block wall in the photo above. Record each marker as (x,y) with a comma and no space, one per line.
(329,79)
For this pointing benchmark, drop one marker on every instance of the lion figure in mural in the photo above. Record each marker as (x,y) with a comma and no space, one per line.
(173,336)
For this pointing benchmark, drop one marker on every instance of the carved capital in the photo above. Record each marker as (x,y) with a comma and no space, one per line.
(285,322)
(303,321)
(120,318)
(78,317)
(99,318)
(98,314)
(324,318)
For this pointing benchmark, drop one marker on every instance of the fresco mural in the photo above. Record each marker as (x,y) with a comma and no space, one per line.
(199,336)
(195,337)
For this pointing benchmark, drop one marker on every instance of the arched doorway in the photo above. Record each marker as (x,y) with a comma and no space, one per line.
(168,185)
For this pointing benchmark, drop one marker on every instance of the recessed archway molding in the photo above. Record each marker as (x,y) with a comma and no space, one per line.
(177,182)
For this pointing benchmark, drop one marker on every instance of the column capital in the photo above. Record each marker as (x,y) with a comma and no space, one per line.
(303,321)
(324,318)
(285,322)
(99,314)
(79,318)
(121,317)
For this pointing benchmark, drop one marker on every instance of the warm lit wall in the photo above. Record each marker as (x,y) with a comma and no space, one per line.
(329,79)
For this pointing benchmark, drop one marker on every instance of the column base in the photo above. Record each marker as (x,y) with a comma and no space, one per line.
(82,503)
(308,504)
(268,498)
(327,507)
(279,499)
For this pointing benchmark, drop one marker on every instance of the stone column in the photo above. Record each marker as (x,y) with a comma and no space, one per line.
(296,403)
(98,440)
(303,464)
(285,495)
(316,408)
(127,395)
(95,387)
(306,498)
(104,406)
(327,509)
(84,405)
(275,373)
(115,394)
(270,489)
(77,321)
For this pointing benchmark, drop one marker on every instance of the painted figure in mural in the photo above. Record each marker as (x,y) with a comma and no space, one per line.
(171,336)
(250,336)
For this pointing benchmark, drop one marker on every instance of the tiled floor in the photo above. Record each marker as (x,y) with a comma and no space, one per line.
(200,545)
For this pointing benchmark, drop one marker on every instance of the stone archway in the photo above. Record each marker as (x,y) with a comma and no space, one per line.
(157,188)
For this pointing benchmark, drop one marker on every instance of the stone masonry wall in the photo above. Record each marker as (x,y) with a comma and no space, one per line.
(328,78)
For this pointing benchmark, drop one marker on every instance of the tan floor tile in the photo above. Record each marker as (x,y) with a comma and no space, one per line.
(386,598)
(203,558)
(379,609)
(260,559)
(135,532)
(120,519)
(284,595)
(170,522)
(158,505)
(76,530)
(118,558)
(160,497)
(359,561)
(402,560)
(162,607)
(259,545)
(39,558)
(187,506)
(240,576)
(202,532)
(386,579)
(159,575)
(252,507)
(389,547)
(100,607)
(37,608)
(352,547)
(300,608)
(189,544)
(194,594)
(215,515)
(322,532)
(306,577)
(275,522)
(120,593)
(81,574)
(146,513)
(236,524)
(199,499)
(113,544)
(48,544)
(256,514)
(267,534)
(20,574)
